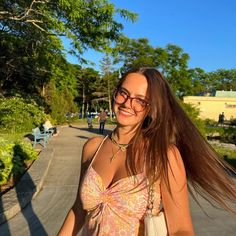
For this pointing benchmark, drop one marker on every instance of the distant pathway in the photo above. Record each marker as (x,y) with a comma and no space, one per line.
(59,190)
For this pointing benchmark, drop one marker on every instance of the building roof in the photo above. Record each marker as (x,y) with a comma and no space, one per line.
(225,94)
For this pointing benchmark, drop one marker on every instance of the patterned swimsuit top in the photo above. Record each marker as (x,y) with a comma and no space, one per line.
(118,209)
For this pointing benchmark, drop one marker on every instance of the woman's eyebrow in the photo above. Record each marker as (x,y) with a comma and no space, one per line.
(136,95)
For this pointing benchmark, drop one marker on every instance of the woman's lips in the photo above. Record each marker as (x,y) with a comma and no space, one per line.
(125,113)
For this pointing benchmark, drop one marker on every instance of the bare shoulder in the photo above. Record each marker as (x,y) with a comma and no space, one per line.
(175,159)
(174,154)
(90,148)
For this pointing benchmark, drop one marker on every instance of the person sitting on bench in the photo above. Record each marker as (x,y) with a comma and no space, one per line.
(49,127)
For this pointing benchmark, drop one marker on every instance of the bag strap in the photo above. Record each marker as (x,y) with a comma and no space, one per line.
(151,200)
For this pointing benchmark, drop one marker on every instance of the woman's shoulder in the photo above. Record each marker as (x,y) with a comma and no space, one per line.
(173,151)
(90,147)
(175,160)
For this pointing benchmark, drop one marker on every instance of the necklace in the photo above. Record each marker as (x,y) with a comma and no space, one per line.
(121,147)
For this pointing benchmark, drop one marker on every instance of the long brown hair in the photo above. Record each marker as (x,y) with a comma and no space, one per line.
(166,125)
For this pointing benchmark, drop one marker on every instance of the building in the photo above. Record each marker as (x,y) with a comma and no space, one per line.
(211,106)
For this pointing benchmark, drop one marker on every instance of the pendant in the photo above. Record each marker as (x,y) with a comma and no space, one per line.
(122,148)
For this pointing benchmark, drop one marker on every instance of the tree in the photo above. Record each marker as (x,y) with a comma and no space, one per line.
(200,82)
(134,53)
(30,34)
(222,79)
(86,78)
(87,23)
(176,70)
(61,91)
(106,67)
(172,61)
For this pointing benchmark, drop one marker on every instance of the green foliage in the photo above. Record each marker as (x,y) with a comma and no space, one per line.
(88,23)
(13,158)
(171,60)
(31,32)
(6,165)
(135,53)
(176,71)
(64,75)
(59,102)
(19,115)
(25,150)
(86,80)
(227,154)
(228,135)
(25,62)
(214,131)
(210,123)
(222,80)
(23,153)
(193,114)
(210,82)
(224,134)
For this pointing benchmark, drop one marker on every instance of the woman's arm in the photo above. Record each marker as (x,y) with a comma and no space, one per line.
(176,206)
(76,216)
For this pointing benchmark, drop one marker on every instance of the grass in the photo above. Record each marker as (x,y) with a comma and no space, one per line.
(227,154)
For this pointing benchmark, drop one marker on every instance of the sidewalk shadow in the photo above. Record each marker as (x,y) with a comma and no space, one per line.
(92,130)
(24,189)
(4,228)
(27,209)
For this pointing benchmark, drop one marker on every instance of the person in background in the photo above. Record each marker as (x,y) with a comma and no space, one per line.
(154,145)
(221,118)
(49,127)
(90,122)
(102,117)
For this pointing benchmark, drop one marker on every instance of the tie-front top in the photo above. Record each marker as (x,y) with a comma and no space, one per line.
(118,209)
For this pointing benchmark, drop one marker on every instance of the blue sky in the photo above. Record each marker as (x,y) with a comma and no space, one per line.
(205,29)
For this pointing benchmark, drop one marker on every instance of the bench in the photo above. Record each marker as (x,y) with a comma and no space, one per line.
(40,137)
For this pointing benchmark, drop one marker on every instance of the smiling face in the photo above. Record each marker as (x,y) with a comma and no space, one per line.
(134,89)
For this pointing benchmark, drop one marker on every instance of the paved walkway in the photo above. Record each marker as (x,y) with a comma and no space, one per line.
(58,179)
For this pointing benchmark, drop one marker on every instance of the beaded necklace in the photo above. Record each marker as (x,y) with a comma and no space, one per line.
(121,147)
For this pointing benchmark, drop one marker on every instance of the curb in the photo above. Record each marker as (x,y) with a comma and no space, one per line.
(27,189)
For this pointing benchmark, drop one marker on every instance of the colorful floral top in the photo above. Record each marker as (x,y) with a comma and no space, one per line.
(117,210)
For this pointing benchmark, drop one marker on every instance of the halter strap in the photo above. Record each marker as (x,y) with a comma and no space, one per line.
(99,147)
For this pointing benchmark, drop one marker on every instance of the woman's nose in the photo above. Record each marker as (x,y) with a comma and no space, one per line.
(128,102)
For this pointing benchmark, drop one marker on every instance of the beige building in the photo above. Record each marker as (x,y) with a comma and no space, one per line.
(211,106)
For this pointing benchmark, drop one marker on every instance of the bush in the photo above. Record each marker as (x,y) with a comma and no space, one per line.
(227,154)
(229,135)
(19,115)
(193,114)
(6,164)
(210,122)
(14,157)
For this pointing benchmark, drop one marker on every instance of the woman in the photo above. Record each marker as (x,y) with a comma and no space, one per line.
(156,143)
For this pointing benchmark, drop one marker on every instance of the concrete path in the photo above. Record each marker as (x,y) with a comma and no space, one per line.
(45,214)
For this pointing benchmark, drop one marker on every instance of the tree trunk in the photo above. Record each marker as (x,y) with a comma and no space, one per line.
(109,95)
(83,103)
(43,91)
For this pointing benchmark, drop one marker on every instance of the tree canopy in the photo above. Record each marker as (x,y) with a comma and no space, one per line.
(30,34)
